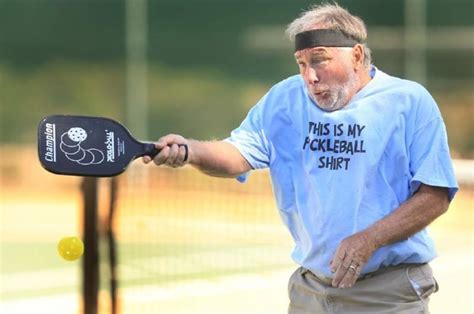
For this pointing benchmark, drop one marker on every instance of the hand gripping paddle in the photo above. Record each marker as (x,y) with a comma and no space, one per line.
(89,146)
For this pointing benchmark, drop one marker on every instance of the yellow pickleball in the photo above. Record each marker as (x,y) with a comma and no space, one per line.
(70,248)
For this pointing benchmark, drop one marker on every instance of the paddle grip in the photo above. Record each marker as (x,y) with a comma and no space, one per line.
(152,151)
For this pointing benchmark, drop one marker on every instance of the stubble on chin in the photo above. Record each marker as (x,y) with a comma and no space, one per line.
(331,103)
(339,99)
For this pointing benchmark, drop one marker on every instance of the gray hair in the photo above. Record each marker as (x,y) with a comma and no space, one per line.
(331,16)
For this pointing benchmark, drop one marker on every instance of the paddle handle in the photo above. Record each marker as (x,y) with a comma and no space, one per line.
(150,150)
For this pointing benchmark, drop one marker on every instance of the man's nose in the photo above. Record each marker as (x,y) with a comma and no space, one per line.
(311,76)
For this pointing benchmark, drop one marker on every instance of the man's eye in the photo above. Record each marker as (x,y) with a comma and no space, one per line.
(319,60)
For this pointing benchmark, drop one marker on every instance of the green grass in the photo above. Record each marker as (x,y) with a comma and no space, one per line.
(157,263)
(35,269)
(25,257)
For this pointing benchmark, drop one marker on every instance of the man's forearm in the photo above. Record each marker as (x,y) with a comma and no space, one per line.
(412,216)
(217,158)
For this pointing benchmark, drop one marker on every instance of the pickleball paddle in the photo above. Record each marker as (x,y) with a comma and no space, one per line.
(88,146)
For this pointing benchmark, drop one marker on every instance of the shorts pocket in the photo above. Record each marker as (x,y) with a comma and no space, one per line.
(422,280)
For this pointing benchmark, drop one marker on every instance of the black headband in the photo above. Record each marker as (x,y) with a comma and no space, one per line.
(323,37)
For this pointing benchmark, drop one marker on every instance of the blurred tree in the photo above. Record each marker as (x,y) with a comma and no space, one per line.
(206,62)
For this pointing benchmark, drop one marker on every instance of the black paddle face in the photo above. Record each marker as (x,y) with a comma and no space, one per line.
(87,146)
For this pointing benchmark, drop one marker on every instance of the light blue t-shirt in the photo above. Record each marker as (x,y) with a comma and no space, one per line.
(337,173)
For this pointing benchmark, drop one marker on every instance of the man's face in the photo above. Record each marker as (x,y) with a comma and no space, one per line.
(329,75)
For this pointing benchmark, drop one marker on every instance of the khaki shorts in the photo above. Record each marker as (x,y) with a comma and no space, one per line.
(400,289)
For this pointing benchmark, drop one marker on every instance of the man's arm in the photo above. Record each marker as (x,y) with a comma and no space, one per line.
(218,158)
(416,213)
(215,158)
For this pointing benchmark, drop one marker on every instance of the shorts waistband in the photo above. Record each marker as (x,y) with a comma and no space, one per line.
(384,269)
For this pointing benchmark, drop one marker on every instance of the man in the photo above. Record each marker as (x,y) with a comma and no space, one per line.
(360,166)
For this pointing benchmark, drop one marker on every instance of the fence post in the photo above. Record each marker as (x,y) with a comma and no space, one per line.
(90,261)
(112,245)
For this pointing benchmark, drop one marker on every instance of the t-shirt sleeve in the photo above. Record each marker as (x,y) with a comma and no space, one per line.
(430,160)
(250,139)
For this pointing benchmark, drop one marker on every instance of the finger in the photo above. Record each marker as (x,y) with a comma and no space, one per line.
(181,155)
(146,159)
(337,260)
(341,271)
(162,156)
(162,143)
(173,155)
(350,277)
(169,140)
(176,161)
(335,263)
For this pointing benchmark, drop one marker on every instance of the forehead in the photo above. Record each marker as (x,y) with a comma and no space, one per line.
(315,51)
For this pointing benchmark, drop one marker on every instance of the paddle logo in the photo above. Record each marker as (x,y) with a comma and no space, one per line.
(72,149)
(50,136)
(110,146)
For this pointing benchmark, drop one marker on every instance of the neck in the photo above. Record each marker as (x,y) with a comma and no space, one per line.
(364,78)
(360,80)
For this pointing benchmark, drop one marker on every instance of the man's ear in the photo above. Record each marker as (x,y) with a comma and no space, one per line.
(358,56)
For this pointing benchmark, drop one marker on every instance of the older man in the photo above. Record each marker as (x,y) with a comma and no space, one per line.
(360,166)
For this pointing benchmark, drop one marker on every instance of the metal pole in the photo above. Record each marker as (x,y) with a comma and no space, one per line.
(137,88)
(415,40)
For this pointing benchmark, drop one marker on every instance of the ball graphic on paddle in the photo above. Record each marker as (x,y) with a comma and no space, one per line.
(73,137)
(77,134)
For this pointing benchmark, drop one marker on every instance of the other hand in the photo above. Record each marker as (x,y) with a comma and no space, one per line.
(350,258)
